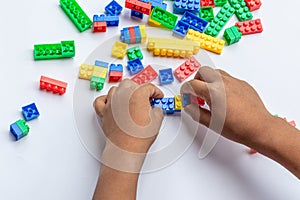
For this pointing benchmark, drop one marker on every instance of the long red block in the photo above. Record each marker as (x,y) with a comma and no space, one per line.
(147,75)
(53,85)
(115,76)
(250,27)
(253,4)
(139,6)
(186,69)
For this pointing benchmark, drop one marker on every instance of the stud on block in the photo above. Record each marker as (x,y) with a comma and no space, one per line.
(19,129)
(134,53)
(242,12)
(166,76)
(97,83)
(186,69)
(30,112)
(145,76)
(207,13)
(119,49)
(55,86)
(250,27)
(178,103)
(135,66)
(253,4)
(166,104)
(180,6)
(113,8)
(205,3)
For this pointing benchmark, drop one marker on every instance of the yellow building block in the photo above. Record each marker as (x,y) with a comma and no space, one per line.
(206,41)
(178,104)
(119,49)
(86,71)
(100,72)
(143,33)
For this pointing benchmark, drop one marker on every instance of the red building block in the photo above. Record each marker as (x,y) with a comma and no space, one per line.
(53,85)
(197,100)
(132,35)
(250,27)
(139,6)
(186,69)
(204,3)
(99,27)
(253,4)
(147,75)
(115,76)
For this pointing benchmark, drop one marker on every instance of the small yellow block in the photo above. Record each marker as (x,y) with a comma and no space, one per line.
(86,71)
(100,72)
(119,49)
(143,33)
(178,104)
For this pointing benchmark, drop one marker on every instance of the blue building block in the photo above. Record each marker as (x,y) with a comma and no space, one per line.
(166,104)
(137,15)
(30,112)
(186,99)
(98,18)
(101,64)
(135,66)
(116,67)
(113,8)
(180,6)
(16,131)
(125,36)
(181,29)
(158,3)
(166,76)
(110,20)
(138,34)
(195,22)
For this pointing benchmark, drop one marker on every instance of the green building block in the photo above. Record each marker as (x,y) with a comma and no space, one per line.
(242,11)
(23,127)
(97,83)
(134,53)
(164,17)
(66,49)
(217,24)
(232,35)
(220,3)
(76,14)
(207,13)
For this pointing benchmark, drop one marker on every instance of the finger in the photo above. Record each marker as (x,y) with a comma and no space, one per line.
(222,72)
(207,74)
(196,88)
(127,83)
(110,93)
(199,114)
(151,90)
(99,105)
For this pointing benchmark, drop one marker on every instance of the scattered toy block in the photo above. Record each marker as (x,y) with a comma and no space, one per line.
(253,4)
(207,13)
(186,100)
(145,76)
(181,29)
(195,22)
(30,112)
(134,53)
(250,27)
(180,6)
(197,100)
(220,3)
(242,12)
(110,20)
(136,15)
(55,86)
(113,8)
(163,17)
(205,3)
(86,71)
(139,6)
(19,129)
(178,103)
(158,3)
(99,27)
(119,49)
(116,67)
(133,34)
(186,69)
(166,104)
(135,66)
(97,83)
(65,49)
(101,64)
(232,35)
(100,72)
(115,76)
(166,76)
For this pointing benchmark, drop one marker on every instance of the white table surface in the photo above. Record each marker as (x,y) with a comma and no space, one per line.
(52,163)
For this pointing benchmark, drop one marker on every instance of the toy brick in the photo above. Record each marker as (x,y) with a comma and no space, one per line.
(115,76)
(197,100)
(158,3)
(242,12)
(136,15)
(186,99)
(97,83)
(253,4)
(205,3)
(135,66)
(119,49)
(177,103)
(220,20)
(250,27)
(76,14)
(139,6)
(99,27)
(113,8)
(53,85)
(195,22)
(134,53)
(86,71)
(142,29)
(101,64)
(220,3)
(125,36)
(116,67)
(166,76)
(166,104)
(181,29)
(145,76)
(66,49)
(186,69)
(207,13)
(138,35)
(132,35)
(110,20)
(163,17)
(100,72)
(232,35)
(19,129)
(180,6)
(30,112)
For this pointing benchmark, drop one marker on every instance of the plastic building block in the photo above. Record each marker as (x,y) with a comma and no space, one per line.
(250,27)
(181,29)
(101,64)
(135,66)
(185,99)
(158,3)
(110,20)
(53,85)
(207,13)
(138,35)
(115,76)
(119,49)
(19,129)
(76,14)
(166,76)
(163,17)
(113,8)
(253,4)
(172,47)
(166,104)
(97,83)
(136,15)
(133,34)
(116,67)
(180,6)
(30,112)
(186,69)
(220,3)
(139,6)
(197,100)
(100,72)
(195,22)
(125,36)
(242,11)
(217,24)
(143,33)
(145,76)
(86,71)
(232,35)
(205,3)
(66,49)
(177,103)
(99,27)
(134,53)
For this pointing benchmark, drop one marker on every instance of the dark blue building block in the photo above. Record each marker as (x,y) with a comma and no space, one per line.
(186,99)
(16,131)
(166,76)
(166,104)
(181,29)
(101,64)
(113,8)
(125,36)
(116,67)
(138,35)
(195,22)
(30,112)
(135,66)
(180,6)
(137,15)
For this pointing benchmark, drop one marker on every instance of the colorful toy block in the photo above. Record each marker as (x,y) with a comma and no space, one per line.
(113,8)
(133,34)
(115,76)
(220,20)
(253,4)
(116,67)
(99,27)
(30,112)
(134,53)
(135,66)
(101,64)
(186,99)
(207,13)
(195,22)
(250,27)
(197,100)
(97,83)
(158,3)
(166,104)
(119,49)
(177,103)
(53,85)
(205,3)
(232,35)
(242,12)
(163,17)
(180,6)
(86,71)
(66,49)
(100,72)
(19,129)
(145,76)
(181,29)
(136,15)
(186,69)
(166,76)
(220,3)
(110,20)
(76,14)
(143,34)
(139,6)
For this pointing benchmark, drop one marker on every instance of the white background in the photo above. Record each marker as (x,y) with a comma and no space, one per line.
(51,162)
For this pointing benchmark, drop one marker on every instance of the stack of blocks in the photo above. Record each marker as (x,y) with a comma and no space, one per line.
(99,75)
(115,73)
(133,34)
(65,49)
